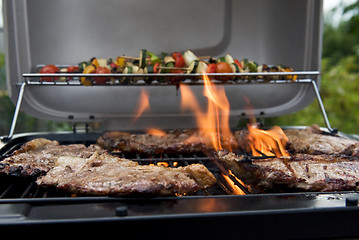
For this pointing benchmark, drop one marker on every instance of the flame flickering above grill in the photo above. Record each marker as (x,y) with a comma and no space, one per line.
(267,143)
(214,129)
(143,104)
(156,132)
(213,123)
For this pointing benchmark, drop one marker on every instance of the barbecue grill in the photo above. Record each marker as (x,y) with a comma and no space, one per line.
(74,30)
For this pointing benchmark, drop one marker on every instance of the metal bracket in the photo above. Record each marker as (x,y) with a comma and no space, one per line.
(76,128)
(16,113)
(322,109)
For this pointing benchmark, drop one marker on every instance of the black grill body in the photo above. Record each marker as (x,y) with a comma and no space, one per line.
(211,214)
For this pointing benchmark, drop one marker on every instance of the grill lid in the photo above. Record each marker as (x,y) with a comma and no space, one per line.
(277,32)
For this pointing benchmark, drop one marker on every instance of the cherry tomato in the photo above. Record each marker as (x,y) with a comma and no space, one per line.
(211,68)
(223,67)
(49,69)
(101,80)
(179,60)
(72,69)
(176,78)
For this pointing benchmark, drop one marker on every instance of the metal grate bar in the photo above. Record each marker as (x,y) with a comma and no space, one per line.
(7,190)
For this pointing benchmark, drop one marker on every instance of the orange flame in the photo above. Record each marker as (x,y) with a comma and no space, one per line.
(235,189)
(143,104)
(268,143)
(214,123)
(156,132)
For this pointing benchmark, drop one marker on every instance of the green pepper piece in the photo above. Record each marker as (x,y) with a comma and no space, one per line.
(153,58)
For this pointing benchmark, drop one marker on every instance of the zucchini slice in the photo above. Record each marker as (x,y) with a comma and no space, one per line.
(143,54)
(189,57)
(202,67)
(83,65)
(169,59)
(128,70)
(193,66)
(235,68)
(148,70)
(229,59)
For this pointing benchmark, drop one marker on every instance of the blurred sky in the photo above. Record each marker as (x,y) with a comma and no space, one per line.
(333,10)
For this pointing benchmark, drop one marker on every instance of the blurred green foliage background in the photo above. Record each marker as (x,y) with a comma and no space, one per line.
(339,76)
(339,84)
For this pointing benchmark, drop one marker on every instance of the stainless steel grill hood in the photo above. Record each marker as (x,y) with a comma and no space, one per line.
(67,32)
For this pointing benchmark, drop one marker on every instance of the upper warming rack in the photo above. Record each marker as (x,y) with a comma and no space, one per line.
(165,79)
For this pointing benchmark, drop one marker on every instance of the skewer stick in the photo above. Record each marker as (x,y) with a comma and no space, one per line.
(204,57)
(128,57)
(137,58)
(173,68)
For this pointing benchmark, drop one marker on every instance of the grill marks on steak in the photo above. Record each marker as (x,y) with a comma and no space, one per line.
(92,171)
(301,172)
(38,156)
(103,174)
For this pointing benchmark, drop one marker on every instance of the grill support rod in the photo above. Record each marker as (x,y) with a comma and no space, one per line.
(16,113)
(322,109)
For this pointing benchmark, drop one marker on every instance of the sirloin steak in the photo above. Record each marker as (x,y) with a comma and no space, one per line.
(39,155)
(104,174)
(309,141)
(301,172)
(313,141)
(92,171)
(185,141)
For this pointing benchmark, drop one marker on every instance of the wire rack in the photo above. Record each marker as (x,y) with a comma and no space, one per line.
(166,79)
(153,79)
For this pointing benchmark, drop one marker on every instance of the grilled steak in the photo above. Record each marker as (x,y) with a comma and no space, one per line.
(313,141)
(104,174)
(177,142)
(172,142)
(90,170)
(310,141)
(302,172)
(38,156)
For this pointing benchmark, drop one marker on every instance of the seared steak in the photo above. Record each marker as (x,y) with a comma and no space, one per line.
(90,170)
(104,174)
(176,142)
(38,156)
(313,141)
(302,172)
(172,142)
(310,141)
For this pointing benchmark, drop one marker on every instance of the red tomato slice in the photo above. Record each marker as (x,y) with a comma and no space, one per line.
(155,67)
(49,69)
(236,61)
(71,69)
(211,68)
(179,60)
(101,80)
